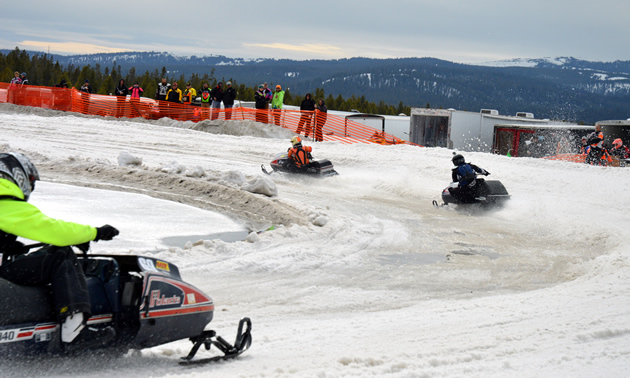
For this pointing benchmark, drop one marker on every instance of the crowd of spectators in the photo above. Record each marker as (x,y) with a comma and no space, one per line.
(212,102)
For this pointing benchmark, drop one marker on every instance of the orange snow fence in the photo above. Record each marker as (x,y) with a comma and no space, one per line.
(574,158)
(314,124)
(606,159)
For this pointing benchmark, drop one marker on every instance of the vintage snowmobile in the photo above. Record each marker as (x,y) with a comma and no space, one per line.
(316,168)
(143,299)
(488,193)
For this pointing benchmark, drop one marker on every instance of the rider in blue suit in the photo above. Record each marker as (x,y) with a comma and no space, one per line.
(465,174)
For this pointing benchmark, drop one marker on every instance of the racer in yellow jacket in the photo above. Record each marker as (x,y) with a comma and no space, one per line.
(57,263)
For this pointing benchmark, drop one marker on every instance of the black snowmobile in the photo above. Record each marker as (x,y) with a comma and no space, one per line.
(316,168)
(143,299)
(488,193)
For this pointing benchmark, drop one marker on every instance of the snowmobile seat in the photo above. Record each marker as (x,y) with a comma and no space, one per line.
(321,167)
(496,188)
(24,304)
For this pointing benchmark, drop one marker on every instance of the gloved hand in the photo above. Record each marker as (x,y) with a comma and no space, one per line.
(486,173)
(106,232)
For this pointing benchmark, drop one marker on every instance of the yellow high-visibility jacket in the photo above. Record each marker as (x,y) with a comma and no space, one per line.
(20,218)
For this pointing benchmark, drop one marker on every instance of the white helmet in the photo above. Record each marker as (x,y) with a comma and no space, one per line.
(20,170)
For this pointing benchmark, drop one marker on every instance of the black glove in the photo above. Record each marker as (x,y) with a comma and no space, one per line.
(486,173)
(106,232)
(84,247)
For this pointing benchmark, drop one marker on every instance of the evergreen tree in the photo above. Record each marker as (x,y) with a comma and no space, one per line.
(108,86)
(6,75)
(131,75)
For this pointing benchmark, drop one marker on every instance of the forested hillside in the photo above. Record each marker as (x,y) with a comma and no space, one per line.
(567,88)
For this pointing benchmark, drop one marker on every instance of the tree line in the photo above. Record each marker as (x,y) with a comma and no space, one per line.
(43,70)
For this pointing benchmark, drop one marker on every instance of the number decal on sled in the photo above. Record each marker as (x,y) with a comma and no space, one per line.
(146,265)
(7,336)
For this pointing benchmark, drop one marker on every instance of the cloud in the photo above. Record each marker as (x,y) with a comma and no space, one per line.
(318,49)
(70,47)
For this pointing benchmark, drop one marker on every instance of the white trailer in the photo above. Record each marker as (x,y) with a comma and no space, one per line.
(461,130)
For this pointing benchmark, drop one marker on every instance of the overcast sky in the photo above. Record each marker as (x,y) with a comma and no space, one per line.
(455,30)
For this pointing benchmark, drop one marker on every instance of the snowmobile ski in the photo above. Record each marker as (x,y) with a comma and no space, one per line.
(436,204)
(262,166)
(241,344)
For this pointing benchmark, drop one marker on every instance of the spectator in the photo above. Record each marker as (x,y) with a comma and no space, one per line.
(276,104)
(228,99)
(136,91)
(162,90)
(23,78)
(596,140)
(217,96)
(619,149)
(16,78)
(121,92)
(86,87)
(87,91)
(585,148)
(206,100)
(190,94)
(13,86)
(307,109)
(62,84)
(268,94)
(320,119)
(174,94)
(261,104)
(62,100)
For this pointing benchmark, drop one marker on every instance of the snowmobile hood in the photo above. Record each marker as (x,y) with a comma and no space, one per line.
(7,188)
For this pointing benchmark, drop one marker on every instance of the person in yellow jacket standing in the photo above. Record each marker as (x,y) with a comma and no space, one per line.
(174,95)
(56,263)
(190,94)
(276,104)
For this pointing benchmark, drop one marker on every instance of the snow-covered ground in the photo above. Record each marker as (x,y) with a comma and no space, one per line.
(361,275)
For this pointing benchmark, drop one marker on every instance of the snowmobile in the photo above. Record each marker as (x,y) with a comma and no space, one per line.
(316,168)
(143,299)
(489,193)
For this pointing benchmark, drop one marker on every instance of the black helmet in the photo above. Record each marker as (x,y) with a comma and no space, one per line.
(18,168)
(458,160)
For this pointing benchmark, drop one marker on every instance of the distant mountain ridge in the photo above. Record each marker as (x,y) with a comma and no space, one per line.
(556,88)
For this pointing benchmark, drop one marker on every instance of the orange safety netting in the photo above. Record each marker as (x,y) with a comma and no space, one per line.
(606,159)
(317,125)
(575,158)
